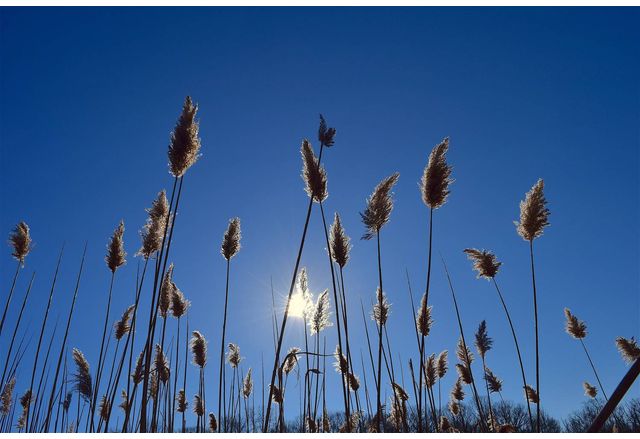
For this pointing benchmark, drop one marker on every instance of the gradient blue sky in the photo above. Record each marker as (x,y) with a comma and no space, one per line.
(89,96)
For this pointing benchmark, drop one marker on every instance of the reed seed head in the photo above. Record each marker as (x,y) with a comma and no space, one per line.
(341,364)
(430,371)
(233,355)
(353,382)
(575,327)
(184,147)
(381,309)
(483,341)
(379,206)
(213,423)
(291,361)
(179,303)
(138,372)
(457,394)
(7,396)
(464,373)
(464,353)
(276,394)
(26,399)
(493,382)
(161,365)
(326,422)
(231,239)
(313,174)
(436,177)
(454,407)
(247,385)
(423,319)
(400,392)
(325,134)
(534,215)
(67,401)
(628,348)
(198,406)
(339,242)
(321,313)
(105,407)
(166,292)
(115,250)
(506,428)
(153,231)
(312,426)
(123,326)
(442,364)
(124,403)
(531,394)
(82,378)
(153,385)
(589,390)
(445,426)
(199,349)
(484,262)
(182,401)
(398,413)
(20,240)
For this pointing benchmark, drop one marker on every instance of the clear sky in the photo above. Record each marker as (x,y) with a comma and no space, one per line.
(89,97)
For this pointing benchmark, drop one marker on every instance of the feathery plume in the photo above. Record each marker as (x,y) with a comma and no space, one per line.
(339,242)
(124,404)
(7,396)
(484,262)
(302,285)
(123,326)
(628,349)
(166,292)
(313,174)
(247,385)
(430,371)
(153,385)
(589,390)
(326,422)
(231,239)
(325,134)
(423,319)
(213,423)
(291,361)
(161,364)
(20,240)
(400,392)
(353,381)
(379,206)
(104,407)
(115,250)
(82,378)
(199,349)
(534,215)
(457,393)
(483,341)
(179,303)
(312,427)
(26,399)
(442,364)
(445,426)
(436,177)
(321,313)
(493,382)
(182,401)
(276,395)
(575,327)
(67,401)
(454,407)
(531,394)
(341,365)
(138,372)
(184,148)
(353,421)
(460,353)
(381,313)
(463,373)
(198,407)
(233,355)
(153,231)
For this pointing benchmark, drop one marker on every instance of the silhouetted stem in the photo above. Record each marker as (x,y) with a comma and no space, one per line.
(6,305)
(535,313)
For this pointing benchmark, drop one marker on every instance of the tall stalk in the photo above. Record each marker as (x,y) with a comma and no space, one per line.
(8,302)
(535,314)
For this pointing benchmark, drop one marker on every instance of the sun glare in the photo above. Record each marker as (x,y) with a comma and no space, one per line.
(297,305)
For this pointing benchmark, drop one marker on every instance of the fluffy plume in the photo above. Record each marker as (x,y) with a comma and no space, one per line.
(313,174)
(445,426)
(302,285)
(82,378)
(398,413)
(381,311)
(353,381)
(423,319)
(341,365)
(454,407)
(67,401)
(494,383)
(321,313)
(589,390)
(628,348)
(379,206)
(463,373)
(20,240)
(311,425)
(115,250)
(400,392)
(575,328)
(436,177)
(198,407)
(105,407)
(326,422)
(484,262)
(138,372)
(182,401)
(430,371)
(339,242)
(161,364)
(166,292)
(199,349)
(531,394)
(184,148)
(213,423)
(291,361)
(534,215)
(276,395)
(6,397)
(123,326)
(353,422)
(153,385)
(25,399)
(124,404)
(179,303)
(457,393)
(442,364)
(247,385)
(460,352)
(325,134)
(483,341)
(231,239)
(233,355)
(153,231)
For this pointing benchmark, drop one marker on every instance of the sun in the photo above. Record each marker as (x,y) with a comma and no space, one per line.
(297,305)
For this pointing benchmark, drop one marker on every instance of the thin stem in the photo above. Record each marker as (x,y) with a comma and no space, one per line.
(6,305)
(221,384)
(594,369)
(380,347)
(535,310)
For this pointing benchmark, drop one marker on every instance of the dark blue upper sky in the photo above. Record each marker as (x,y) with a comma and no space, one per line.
(89,96)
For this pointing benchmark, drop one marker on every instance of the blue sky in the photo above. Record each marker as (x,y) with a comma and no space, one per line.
(89,97)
